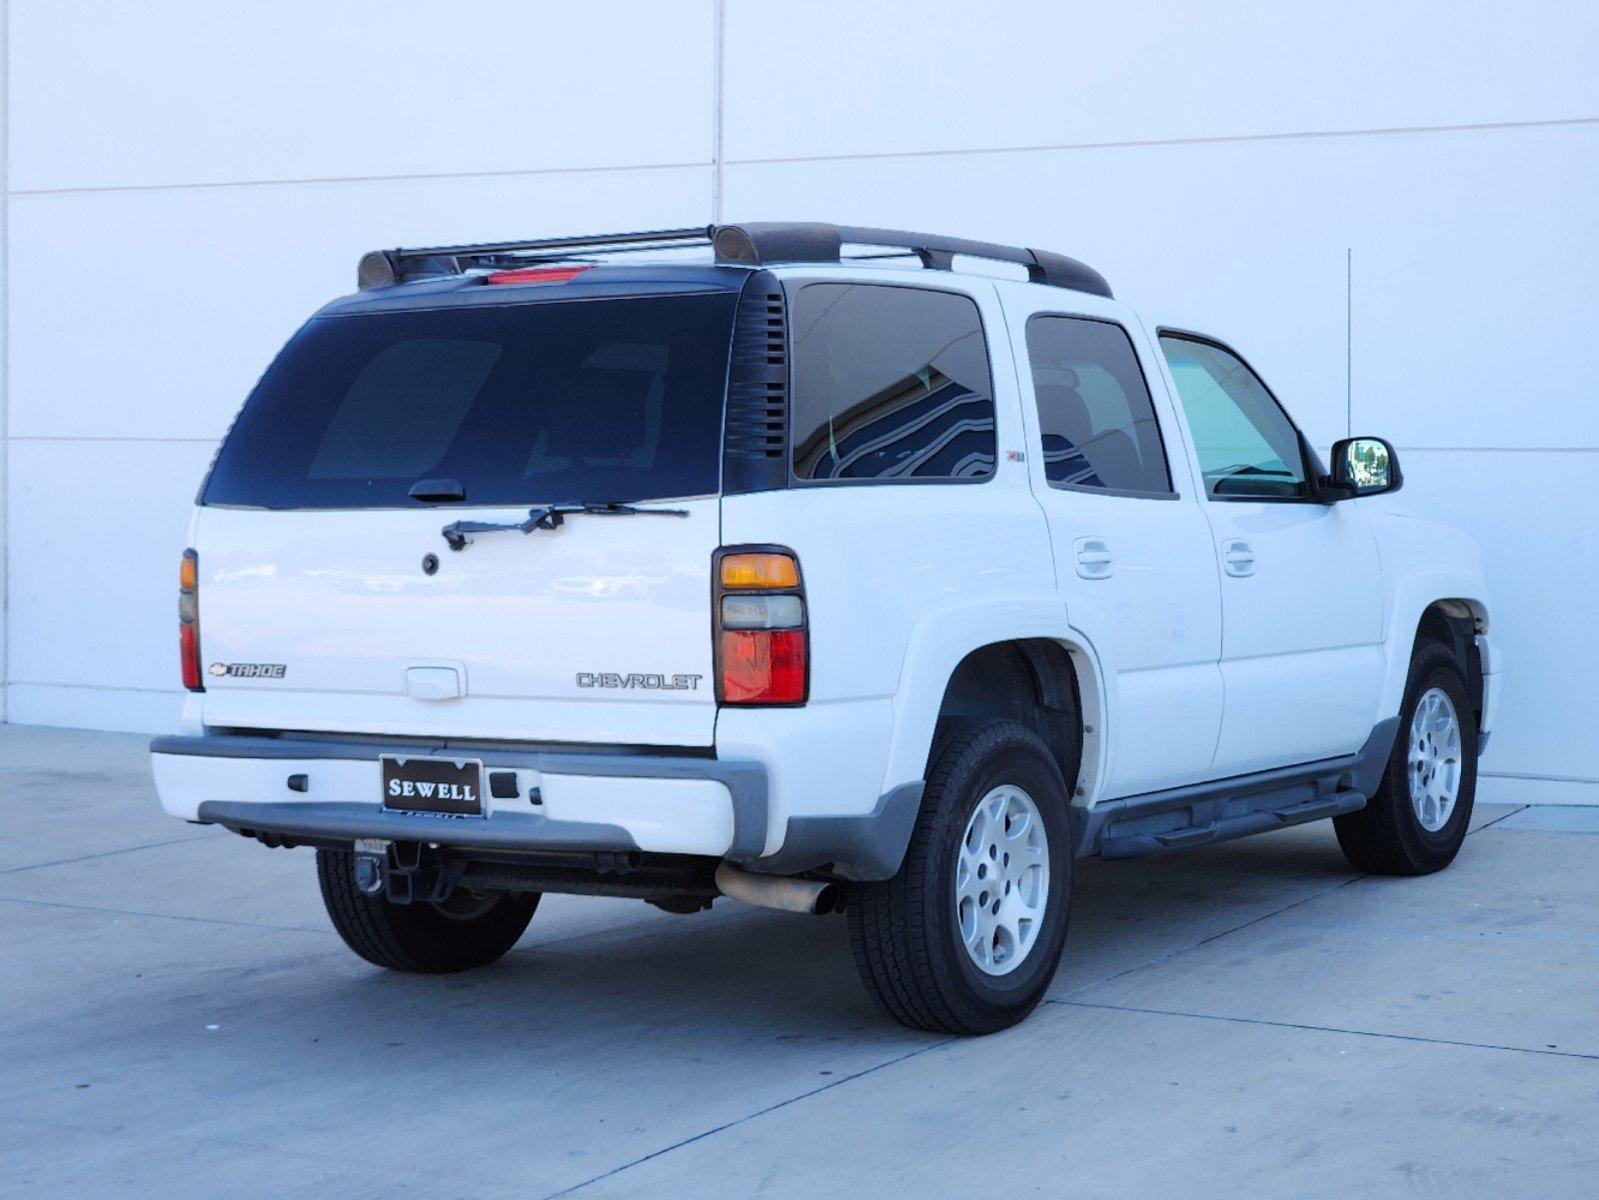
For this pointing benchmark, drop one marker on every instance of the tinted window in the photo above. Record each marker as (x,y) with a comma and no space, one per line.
(1247,446)
(1098,425)
(890,383)
(614,399)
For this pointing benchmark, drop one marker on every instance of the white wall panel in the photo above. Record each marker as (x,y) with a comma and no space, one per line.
(152,313)
(189,91)
(116,709)
(1475,303)
(1471,294)
(840,77)
(1218,259)
(96,530)
(1532,512)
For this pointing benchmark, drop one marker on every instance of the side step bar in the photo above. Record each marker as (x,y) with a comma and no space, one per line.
(1200,814)
(1200,825)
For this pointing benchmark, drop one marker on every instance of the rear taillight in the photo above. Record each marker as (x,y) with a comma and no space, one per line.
(189,620)
(762,636)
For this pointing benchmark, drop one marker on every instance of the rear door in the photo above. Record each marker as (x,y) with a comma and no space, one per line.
(1301,657)
(1132,553)
(320,543)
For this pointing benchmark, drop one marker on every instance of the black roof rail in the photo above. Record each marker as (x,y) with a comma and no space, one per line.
(755,244)
(763,243)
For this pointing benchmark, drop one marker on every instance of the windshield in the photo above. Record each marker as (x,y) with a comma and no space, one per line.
(596,400)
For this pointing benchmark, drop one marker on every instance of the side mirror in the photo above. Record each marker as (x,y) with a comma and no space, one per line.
(1365,466)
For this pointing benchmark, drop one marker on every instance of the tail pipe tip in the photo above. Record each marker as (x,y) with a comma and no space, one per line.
(777,891)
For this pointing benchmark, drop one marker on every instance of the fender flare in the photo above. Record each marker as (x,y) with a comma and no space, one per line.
(941,639)
(1412,596)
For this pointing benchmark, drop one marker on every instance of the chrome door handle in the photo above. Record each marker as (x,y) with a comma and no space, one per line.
(1094,560)
(1238,558)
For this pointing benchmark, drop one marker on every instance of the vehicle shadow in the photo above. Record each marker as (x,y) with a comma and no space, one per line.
(741,972)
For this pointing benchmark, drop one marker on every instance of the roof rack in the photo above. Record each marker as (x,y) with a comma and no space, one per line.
(753,244)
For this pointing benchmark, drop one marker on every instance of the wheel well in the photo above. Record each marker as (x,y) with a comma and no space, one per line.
(1031,680)
(1454,623)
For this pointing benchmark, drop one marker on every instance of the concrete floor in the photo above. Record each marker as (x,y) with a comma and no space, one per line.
(1254,1019)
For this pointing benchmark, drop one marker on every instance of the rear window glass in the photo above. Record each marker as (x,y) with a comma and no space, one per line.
(615,399)
(890,383)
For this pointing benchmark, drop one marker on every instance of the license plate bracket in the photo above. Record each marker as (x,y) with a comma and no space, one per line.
(445,787)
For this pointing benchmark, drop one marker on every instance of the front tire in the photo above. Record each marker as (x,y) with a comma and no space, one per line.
(1416,822)
(967,936)
(464,932)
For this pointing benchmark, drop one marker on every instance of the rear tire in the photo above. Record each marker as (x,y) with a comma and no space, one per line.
(1391,835)
(464,932)
(926,950)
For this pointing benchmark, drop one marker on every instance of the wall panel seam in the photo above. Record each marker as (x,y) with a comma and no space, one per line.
(5,361)
(339,180)
(67,437)
(718,109)
(96,687)
(1143,143)
(1498,449)
(1533,777)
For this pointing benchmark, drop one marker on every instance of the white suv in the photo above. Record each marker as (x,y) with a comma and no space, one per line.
(826,581)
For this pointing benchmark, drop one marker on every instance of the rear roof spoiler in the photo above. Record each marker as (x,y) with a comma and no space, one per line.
(757,244)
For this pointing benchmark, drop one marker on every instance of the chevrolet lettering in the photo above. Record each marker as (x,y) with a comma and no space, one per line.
(659,683)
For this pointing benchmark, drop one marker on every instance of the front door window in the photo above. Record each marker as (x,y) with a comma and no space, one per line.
(1248,448)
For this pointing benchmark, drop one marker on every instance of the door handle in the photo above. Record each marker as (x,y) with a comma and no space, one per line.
(1238,558)
(1094,560)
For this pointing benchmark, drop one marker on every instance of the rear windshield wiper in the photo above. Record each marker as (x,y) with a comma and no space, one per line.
(549,516)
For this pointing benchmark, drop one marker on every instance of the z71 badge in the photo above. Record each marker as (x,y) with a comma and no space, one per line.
(657,683)
(248,670)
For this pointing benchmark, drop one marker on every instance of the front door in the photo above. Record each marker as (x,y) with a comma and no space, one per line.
(1132,555)
(1301,653)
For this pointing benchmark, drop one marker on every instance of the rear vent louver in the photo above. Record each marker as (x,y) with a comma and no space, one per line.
(755,446)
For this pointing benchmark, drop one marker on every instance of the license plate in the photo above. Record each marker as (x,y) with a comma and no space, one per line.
(447,786)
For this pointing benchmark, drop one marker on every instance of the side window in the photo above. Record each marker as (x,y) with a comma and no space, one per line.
(1247,445)
(890,383)
(1098,425)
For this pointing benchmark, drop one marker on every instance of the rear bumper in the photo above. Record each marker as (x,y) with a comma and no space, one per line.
(587,801)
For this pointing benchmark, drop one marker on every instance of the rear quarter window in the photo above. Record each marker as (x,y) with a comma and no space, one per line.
(581,400)
(890,384)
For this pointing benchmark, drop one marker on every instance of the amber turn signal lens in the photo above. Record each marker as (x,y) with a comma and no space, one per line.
(759,571)
(189,572)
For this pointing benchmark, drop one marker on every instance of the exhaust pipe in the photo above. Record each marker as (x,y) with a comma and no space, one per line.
(776,891)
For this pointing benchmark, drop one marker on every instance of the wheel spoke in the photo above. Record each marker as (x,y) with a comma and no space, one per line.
(977,830)
(965,877)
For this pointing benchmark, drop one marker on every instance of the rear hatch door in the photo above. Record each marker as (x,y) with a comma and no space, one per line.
(331,600)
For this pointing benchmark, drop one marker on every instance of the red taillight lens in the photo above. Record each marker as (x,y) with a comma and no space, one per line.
(762,631)
(189,620)
(189,648)
(763,666)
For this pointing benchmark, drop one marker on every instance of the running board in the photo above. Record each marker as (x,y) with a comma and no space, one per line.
(1209,821)
(1222,809)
